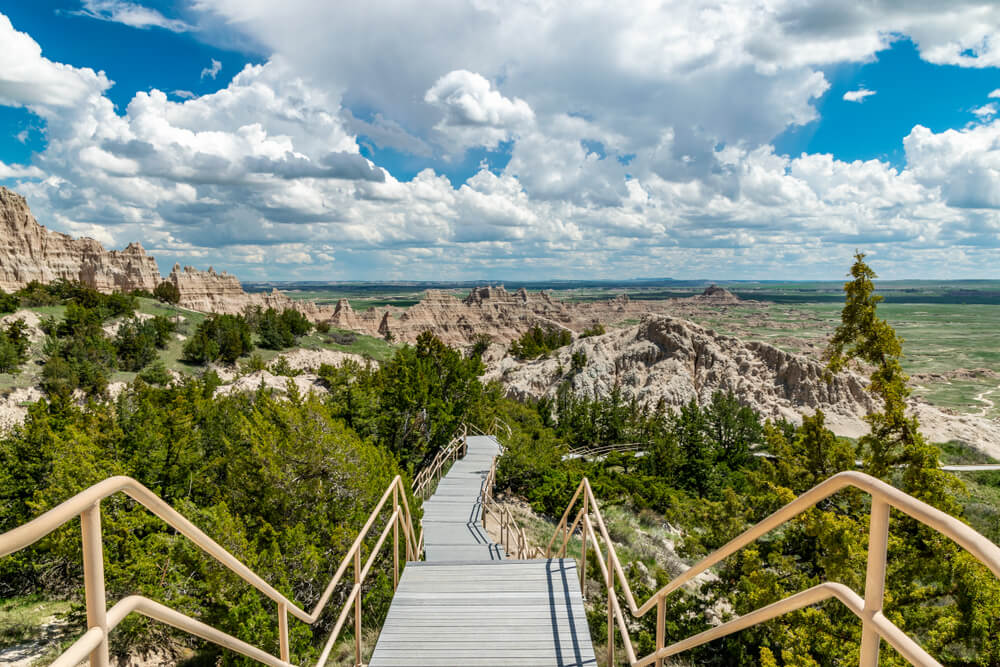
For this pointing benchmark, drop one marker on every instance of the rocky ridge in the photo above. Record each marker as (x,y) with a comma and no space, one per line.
(673,360)
(29,251)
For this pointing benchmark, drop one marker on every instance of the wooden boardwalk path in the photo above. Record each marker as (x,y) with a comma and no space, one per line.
(466,605)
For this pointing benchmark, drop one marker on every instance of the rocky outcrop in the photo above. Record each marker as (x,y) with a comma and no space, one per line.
(208,291)
(673,360)
(492,310)
(29,251)
(212,292)
(716,294)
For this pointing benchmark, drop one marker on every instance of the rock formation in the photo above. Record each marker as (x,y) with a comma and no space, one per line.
(716,294)
(29,251)
(673,360)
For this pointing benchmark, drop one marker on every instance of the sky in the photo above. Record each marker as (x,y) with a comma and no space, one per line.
(512,139)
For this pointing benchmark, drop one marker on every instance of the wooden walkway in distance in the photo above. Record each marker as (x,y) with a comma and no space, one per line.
(466,605)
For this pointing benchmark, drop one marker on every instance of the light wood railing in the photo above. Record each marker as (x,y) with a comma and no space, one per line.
(101,620)
(424,482)
(875,625)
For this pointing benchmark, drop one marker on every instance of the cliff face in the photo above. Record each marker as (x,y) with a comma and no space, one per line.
(29,251)
(494,311)
(212,292)
(673,360)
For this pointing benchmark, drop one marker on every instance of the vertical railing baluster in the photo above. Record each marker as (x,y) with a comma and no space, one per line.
(283,631)
(878,542)
(583,545)
(357,607)
(611,612)
(93,581)
(395,537)
(661,626)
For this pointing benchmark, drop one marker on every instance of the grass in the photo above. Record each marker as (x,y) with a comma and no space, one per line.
(22,619)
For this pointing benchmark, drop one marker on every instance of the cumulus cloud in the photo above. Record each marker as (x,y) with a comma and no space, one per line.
(964,164)
(130,14)
(213,70)
(858,95)
(476,114)
(183,94)
(29,79)
(630,148)
(995,94)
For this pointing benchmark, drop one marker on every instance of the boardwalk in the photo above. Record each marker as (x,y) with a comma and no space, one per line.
(467,605)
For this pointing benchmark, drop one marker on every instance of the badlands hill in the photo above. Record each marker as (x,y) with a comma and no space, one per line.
(29,251)
(673,360)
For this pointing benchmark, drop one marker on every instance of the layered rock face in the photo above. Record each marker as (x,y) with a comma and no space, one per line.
(673,360)
(213,292)
(494,311)
(29,251)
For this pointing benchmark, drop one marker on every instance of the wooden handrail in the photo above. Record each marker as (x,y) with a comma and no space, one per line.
(510,535)
(432,472)
(875,626)
(101,621)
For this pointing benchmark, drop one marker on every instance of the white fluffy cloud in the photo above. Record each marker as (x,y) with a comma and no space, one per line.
(29,79)
(963,164)
(475,114)
(858,95)
(641,144)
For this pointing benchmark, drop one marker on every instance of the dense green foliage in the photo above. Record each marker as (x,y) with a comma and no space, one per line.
(137,341)
(8,302)
(14,345)
(278,331)
(219,338)
(283,485)
(167,292)
(538,341)
(413,403)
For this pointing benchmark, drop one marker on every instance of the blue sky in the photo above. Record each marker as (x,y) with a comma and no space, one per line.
(725,139)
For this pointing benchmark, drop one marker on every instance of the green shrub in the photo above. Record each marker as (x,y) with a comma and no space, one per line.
(156,373)
(167,292)
(539,341)
(14,345)
(8,303)
(278,331)
(219,338)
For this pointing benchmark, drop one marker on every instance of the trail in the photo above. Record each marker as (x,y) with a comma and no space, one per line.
(987,403)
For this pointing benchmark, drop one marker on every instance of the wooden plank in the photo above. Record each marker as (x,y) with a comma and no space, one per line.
(465,606)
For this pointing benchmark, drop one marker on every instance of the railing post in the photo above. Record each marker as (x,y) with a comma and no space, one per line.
(878,540)
(611,612)
(395,537)
(661,626)
(283,630)
(93,581)
(583,545)
(357,607)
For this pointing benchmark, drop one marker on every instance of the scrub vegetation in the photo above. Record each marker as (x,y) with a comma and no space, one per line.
(286,482)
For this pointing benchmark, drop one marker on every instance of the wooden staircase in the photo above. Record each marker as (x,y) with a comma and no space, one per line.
(466,605)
